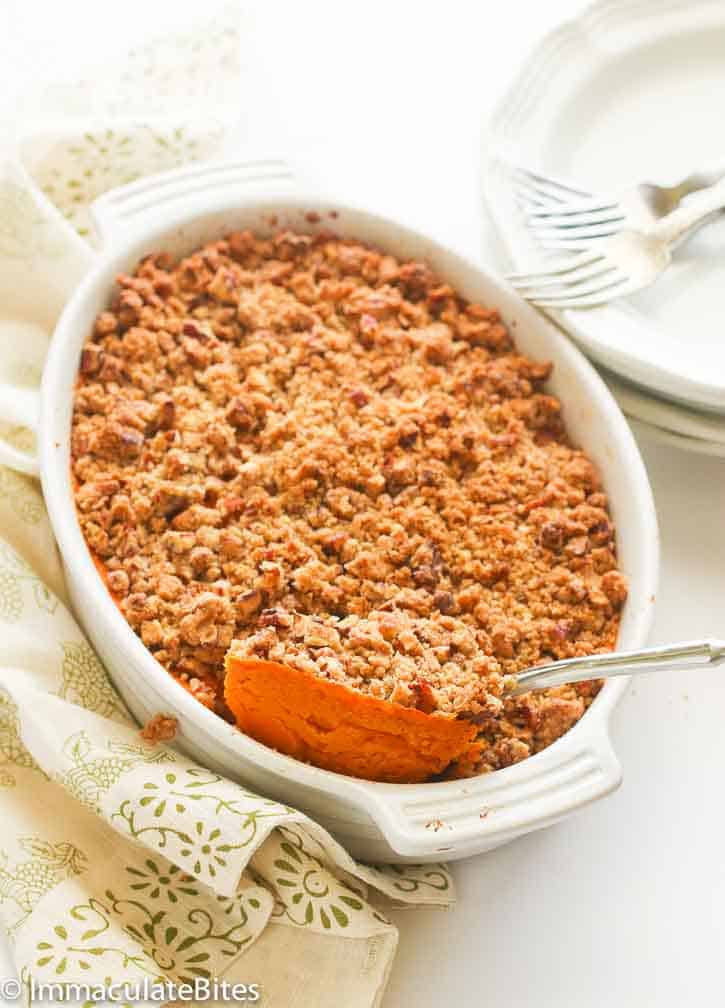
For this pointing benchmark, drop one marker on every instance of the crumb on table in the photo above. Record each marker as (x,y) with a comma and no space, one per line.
(160,728)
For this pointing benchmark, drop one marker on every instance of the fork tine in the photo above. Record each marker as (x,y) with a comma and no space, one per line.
(566,280)
(528,199)
(577,208)
(527,195)
(587,297)
(594,301)
(574,232)
(566,265)
(541,189)
(568,244)
(581,288)
(569,216)
(551,184)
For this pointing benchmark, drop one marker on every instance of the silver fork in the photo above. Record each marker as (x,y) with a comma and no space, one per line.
(621,263)
(619,663)
(562,216)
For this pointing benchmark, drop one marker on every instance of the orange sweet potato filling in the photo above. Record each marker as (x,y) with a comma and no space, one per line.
(332,727)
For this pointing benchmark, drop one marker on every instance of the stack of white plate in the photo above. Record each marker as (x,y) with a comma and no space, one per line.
(631,90)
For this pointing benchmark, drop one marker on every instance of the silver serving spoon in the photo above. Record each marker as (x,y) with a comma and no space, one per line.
(688,654)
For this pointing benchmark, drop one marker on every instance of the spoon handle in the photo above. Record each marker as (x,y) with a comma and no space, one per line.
(688,654)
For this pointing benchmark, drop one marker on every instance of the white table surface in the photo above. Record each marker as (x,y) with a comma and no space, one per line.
(620,904)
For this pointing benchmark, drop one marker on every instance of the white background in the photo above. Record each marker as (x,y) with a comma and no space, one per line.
(621,904)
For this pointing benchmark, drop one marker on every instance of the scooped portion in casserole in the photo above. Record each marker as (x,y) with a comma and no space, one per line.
(325,455)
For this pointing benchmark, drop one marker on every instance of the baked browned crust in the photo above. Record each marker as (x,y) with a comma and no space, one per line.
(304,444)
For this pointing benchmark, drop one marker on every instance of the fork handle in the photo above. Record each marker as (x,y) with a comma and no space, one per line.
(699,206)
(688,654)
(698,180)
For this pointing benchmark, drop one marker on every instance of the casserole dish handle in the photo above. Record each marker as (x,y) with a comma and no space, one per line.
(119,210)
(579,768)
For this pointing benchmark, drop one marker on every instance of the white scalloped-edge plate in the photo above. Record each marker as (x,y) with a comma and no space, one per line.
(673,440)
(630,89)
(701,432)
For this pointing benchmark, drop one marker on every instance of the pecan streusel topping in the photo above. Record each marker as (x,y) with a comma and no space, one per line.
(308,446)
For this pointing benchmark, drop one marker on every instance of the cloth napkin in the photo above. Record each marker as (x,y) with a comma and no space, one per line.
(121,860)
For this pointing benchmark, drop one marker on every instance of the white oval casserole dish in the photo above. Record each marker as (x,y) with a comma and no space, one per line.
(178,212)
